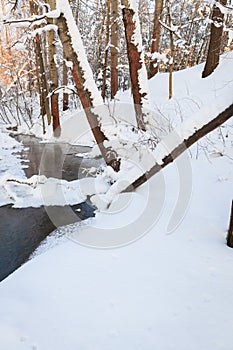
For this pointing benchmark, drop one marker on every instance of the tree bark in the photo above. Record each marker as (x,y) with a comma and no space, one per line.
(53,72)
(153,67)
(109,155)
(42,82)
(136,60)
(114,48)
(183,146)
(65,101)
(215,40)
(172,49)
(41,77)
(230,230)
(106,50)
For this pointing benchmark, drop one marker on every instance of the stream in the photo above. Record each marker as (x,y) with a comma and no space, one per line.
(22,230)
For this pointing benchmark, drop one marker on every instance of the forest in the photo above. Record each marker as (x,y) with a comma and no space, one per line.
(68,66)
(116,154)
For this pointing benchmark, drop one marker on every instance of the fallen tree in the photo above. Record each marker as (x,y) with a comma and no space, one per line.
(183,146)
(90,96)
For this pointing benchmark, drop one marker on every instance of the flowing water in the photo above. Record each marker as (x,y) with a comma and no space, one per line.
(22,230)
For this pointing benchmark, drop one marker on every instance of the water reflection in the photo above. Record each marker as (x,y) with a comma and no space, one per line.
(22,230)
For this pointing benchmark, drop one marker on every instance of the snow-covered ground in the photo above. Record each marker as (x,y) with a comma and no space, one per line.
(153,287)
(162,291)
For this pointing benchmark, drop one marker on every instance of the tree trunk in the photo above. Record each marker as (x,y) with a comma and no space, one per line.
(65,101)
(230,230)
(215,40)
(183,146)
(79,72)
(53,72)
(41,77)
(106,49)
(153,67)
(172,49)
(137,68)
(114,48)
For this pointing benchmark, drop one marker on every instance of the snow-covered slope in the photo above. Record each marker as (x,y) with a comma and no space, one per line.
(163,291)
(190,92)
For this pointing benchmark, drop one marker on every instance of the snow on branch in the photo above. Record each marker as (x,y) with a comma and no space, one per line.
(136,173)
(226,10)
(46,28)
(173,29)
(35,20)
(77,45)
(171,147)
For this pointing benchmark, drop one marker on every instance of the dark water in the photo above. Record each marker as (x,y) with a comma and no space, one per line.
(54,159)
(22,230)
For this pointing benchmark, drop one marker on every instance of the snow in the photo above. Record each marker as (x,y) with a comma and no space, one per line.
(19,46)
(64,7)
(38,191)
(226,10)
(159,56)
(152,269)
(9,160)
(74,128)
(45,28)
(99,108)
(10,164)
(142,72)
(209,97)
(230,36)
(134,296)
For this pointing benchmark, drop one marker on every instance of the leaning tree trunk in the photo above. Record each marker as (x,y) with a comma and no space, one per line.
(138,72)
(215,40)
(114,48)
(183,146)
(89,95)
(153,67)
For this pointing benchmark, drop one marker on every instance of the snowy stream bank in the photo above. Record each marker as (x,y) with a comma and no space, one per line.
(23,229)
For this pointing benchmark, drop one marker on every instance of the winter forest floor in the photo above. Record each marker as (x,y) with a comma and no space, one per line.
(160,282)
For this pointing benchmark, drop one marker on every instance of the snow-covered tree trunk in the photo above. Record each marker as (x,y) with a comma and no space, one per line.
(153,67)
(114,47)
(215,40)
(137,67)
(65,101)
(41,77)
(181,146)
(42,84)
(88,92)
(106,49)
(53,72)
(172,49)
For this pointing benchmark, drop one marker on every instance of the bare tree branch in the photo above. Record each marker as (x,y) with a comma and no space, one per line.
(26,20)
